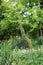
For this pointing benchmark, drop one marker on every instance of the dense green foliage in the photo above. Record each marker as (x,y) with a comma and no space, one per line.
(27,11)
(9,56)
(21,23)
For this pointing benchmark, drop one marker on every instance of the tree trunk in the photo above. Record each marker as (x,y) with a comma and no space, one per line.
(24,35)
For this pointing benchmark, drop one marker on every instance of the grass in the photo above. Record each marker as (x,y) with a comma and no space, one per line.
(15,56)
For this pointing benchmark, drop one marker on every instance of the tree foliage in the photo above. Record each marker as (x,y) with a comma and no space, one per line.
(29,12)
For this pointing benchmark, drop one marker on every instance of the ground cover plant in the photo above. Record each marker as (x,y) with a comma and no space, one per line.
(16,56)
